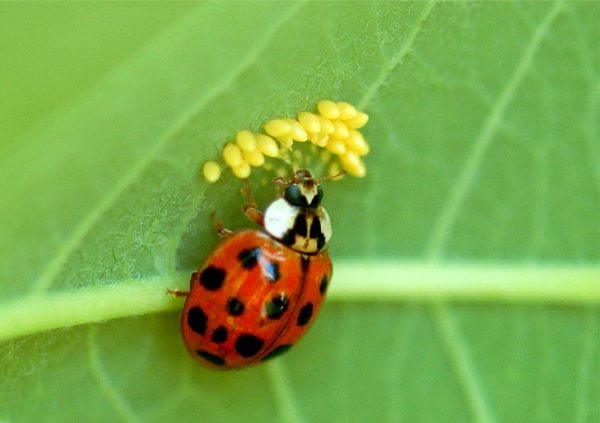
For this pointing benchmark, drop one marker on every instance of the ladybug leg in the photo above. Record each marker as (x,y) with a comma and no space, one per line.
(221,230)
(250,209)
(177,292)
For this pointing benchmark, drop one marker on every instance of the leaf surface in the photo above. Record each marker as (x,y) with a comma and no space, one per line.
(467,270)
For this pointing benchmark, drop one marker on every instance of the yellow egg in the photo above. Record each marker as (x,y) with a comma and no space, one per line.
(267,145)
(245,139)
(359,171)
(336,146)
(277,128)
(310,122)
(353,164)
(347,110)
(254,158)
(358,121)
(242,171)
(356,142)
(286,140)
(232,154)
(327,126)
(340,130)
(211,171)
(319,139)
(328,109)
(298,132)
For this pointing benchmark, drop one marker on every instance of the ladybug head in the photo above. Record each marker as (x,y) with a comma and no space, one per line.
(303,190)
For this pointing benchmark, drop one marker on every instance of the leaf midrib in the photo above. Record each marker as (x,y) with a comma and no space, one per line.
(357,281)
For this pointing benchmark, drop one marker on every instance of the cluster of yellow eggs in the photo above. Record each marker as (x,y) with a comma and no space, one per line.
(334,128)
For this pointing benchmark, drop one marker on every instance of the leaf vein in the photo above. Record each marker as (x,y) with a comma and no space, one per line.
(52,269)
(114,396)
(589,351)
(282,390)
(462,363)
(443,225)
(403,50)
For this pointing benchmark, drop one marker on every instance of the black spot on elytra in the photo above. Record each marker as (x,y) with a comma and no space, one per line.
(305,314)
(196,319)
(219,335)
(271,271)
(323,285)
(212,278)
(276,307)
(211,358)
(235,307)
(248,345)
(277,352)
(249,257)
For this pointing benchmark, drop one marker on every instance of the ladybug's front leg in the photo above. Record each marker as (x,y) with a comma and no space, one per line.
(250,209)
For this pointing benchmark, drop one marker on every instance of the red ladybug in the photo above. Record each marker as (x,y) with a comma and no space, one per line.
(259,291)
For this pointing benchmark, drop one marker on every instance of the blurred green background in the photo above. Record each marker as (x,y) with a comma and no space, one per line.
(484,153)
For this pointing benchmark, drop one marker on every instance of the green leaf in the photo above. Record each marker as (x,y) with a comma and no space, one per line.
(467,261)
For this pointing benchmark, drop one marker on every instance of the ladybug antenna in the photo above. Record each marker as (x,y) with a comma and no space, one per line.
(300,174)
(297,175)
(324,178)
(280,180)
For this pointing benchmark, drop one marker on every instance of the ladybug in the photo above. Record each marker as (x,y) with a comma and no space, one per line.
(259,291)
